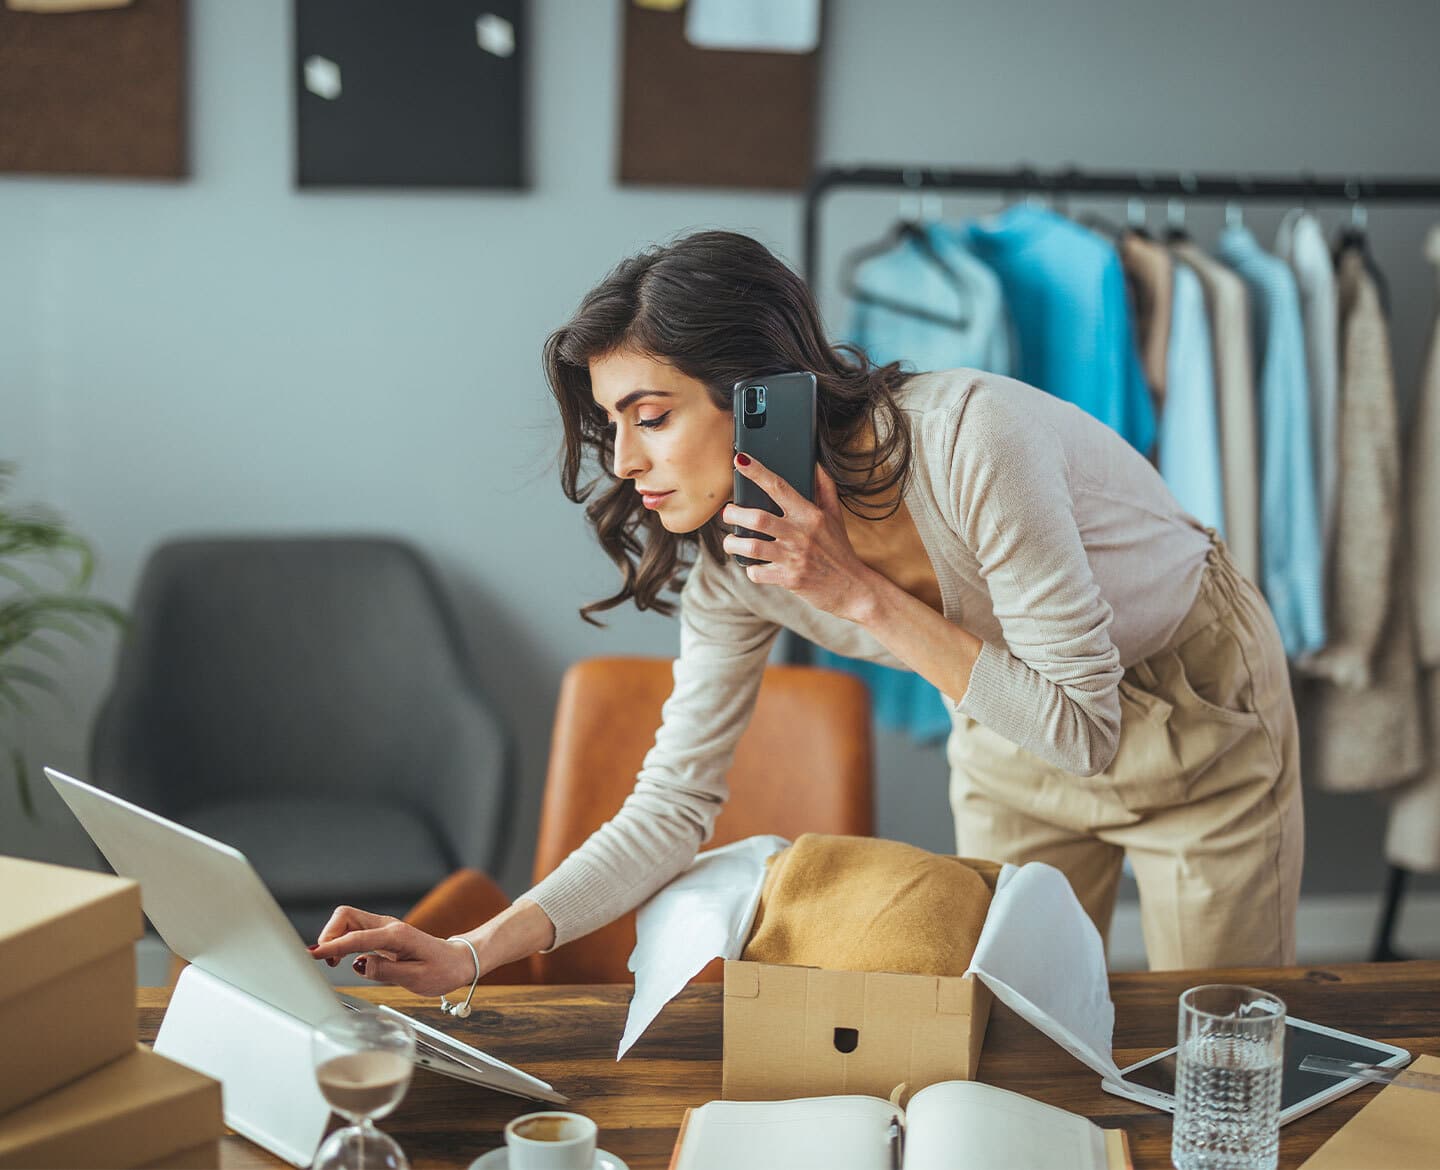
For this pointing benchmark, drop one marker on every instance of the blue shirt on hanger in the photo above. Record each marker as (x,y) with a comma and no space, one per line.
(968,292)
(1189,444)
(1291,550)
(1066,293)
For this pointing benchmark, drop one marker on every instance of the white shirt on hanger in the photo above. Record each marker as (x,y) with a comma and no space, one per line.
(1300,242)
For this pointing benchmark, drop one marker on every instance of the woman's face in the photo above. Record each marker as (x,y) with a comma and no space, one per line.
(670,437)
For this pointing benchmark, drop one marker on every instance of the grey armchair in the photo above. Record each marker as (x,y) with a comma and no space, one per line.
(308,701)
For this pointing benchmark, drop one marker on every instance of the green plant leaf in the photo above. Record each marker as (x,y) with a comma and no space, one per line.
(38,643)
(21,578)
(50,568)
(15,673)
(10,695)
(43,538)
(8,691)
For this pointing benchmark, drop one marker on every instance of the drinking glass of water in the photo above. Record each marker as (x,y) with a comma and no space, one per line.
(363,1061)
(1227,1080)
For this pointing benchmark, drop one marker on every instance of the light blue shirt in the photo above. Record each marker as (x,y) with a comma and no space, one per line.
(1066,291)
(1291,553)
(906,275)
(1189,444)
(900,700)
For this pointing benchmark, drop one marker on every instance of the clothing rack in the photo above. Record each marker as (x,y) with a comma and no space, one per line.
(1185,186)
(1356,190)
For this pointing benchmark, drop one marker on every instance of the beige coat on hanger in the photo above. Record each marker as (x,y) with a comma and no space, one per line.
(1413,838)
(1366,709)
(1150,276)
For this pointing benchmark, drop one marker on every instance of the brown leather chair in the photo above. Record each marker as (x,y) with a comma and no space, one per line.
(803,765)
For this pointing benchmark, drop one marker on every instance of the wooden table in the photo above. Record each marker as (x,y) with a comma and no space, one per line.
(568,1036)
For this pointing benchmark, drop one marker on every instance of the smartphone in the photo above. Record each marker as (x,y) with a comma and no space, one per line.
(775,424)
(1152,1080)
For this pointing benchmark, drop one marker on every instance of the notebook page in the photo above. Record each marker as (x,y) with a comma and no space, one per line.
(966,1125)
(811,1133)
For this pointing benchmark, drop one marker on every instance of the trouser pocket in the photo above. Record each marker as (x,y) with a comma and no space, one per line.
(1172,735)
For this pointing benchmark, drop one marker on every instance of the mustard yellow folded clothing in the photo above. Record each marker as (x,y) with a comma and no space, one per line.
(863,904)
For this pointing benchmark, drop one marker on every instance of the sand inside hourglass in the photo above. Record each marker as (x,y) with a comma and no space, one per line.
(364,1084)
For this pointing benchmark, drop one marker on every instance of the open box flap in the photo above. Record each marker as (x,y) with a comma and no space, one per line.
(1042,957)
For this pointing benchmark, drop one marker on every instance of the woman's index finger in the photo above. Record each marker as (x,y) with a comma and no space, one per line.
(348,918)
(775,486)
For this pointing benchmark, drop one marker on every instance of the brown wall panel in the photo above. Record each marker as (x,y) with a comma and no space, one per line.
(710,117)
(94,93)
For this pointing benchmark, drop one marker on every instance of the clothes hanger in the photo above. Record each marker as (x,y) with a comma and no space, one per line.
(1060,186)
(1234,208)
(1135,224)
(1036,190)
(1137,214)
(1356,235)
(1175,231)
(912,230)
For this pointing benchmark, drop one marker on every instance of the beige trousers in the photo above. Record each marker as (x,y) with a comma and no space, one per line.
(1203,795)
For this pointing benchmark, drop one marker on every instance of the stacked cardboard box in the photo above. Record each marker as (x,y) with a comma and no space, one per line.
(76,1090)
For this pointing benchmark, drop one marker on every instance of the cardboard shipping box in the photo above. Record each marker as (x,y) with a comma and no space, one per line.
(807,1032)
(141,1110)
(804,1032)
(67,974)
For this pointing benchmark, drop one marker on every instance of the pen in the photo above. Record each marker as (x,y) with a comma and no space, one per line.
(896,1137)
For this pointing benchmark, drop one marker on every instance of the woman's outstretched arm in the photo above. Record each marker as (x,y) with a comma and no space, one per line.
(388,950)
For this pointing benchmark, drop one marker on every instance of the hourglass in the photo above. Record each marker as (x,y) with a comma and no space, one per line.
(363,1062)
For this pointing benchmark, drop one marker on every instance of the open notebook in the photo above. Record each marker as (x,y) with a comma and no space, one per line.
(947,1125)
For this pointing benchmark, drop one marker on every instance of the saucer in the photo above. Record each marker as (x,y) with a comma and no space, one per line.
(500,1160)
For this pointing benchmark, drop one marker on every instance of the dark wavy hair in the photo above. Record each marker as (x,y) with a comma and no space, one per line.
(719,307)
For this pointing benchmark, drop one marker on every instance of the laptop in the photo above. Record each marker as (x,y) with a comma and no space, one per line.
(211,908)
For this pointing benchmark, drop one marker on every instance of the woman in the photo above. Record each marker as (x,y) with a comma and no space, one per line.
(1117,687)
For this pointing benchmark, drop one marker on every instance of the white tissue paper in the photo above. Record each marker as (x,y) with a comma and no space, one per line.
(1043,958)
(705,912)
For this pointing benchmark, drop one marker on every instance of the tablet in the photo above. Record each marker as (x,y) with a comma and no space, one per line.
(1152,1080)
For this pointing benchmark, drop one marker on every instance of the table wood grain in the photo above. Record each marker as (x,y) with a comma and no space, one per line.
(568,1036)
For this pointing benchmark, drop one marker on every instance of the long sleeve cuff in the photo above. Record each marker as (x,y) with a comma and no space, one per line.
(580,897)
(1011,699)
(576,897)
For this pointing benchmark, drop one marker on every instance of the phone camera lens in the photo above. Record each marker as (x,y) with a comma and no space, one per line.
(755,400)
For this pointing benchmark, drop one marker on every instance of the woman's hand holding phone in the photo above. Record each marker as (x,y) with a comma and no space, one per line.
(809,551)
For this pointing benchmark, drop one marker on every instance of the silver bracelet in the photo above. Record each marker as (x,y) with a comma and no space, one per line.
(462,1009)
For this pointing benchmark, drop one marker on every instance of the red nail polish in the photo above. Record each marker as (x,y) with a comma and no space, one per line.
(742,459)
(313,949)
(359,965)
(332,962)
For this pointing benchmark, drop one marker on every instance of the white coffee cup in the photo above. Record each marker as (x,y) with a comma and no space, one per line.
(553,1140)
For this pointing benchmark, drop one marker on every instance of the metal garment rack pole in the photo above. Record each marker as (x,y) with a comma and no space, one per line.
(1026,180)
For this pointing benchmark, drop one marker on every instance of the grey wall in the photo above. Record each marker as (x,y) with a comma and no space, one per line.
(232,354)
